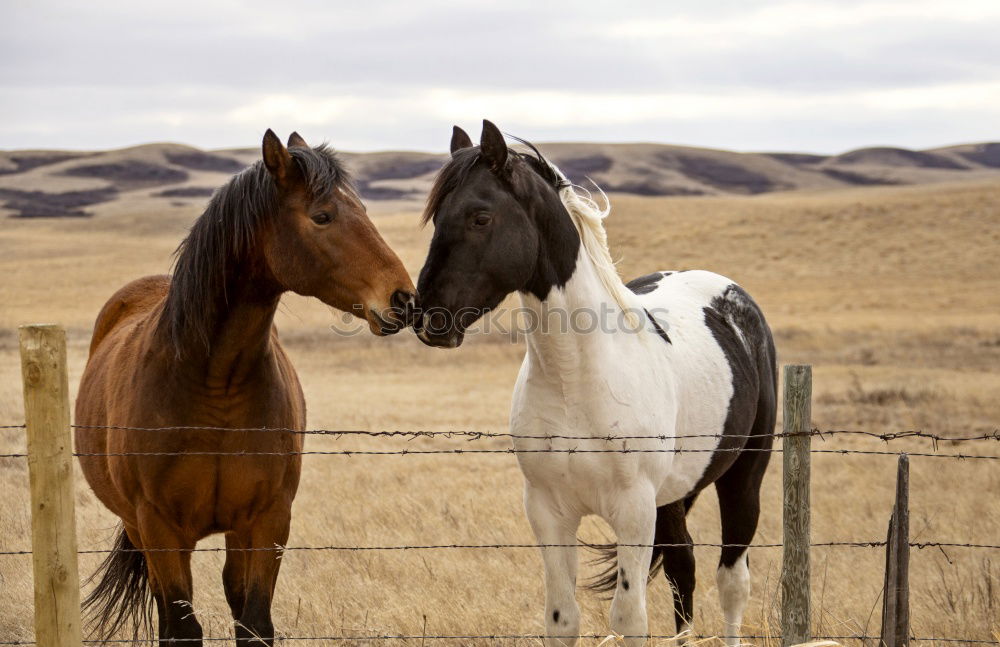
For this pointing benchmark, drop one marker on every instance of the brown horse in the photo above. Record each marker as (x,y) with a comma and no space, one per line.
(199,349)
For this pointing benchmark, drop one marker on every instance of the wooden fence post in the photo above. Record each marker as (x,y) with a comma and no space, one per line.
(50,473)
(896,591)
(797,423)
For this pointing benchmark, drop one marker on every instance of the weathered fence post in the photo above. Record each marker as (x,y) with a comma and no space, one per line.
(50,473)
(896,591)
(797,423)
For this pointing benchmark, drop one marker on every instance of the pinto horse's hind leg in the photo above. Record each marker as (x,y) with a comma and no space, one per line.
(249,580)
(554,526)
(678,561)
(739,508)
(170,577)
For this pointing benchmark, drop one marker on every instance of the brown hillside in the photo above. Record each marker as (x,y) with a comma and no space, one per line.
(61,183)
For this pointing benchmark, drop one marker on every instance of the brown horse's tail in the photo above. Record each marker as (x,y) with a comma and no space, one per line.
(121,597)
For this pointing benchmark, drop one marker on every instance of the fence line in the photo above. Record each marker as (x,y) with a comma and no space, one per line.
(51,537)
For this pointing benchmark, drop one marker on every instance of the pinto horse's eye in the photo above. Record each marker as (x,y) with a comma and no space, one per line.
(481,220)
(322,218)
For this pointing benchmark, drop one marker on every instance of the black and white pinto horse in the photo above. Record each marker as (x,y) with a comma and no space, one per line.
(695,382)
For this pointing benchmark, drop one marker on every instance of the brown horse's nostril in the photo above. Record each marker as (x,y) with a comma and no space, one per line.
(405,304)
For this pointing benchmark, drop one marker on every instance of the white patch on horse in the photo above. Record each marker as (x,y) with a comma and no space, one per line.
(734,591)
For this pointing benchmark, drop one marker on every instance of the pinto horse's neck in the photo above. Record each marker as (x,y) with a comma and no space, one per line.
(580,319)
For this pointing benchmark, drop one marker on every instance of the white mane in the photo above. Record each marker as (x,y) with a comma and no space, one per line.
(589,220)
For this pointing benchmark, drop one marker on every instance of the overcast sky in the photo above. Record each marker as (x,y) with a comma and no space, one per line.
(822,76)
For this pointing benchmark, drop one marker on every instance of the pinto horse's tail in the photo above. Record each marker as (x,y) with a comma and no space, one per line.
(670,530)
(607,556)
(121,597)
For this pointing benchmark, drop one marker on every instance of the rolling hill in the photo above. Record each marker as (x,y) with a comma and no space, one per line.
(36,184)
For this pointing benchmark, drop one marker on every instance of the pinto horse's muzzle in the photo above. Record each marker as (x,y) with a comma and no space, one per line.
(441,328)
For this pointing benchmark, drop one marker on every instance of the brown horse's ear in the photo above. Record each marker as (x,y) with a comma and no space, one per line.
(459,140)
(276,158)
(493,147)
(295,139)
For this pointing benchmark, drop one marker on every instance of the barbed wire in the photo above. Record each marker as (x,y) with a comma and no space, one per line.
(919,545)
(511,450)
(475,435)
(592,636)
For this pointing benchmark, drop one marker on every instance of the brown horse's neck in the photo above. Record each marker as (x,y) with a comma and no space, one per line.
(234,338)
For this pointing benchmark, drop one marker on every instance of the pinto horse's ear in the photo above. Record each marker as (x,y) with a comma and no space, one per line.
(459,140)
(276,158)
(295,139)
(493,147)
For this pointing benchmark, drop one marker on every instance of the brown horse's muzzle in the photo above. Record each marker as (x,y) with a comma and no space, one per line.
(401,313)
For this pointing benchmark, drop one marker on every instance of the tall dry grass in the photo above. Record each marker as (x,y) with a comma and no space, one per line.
(891,294)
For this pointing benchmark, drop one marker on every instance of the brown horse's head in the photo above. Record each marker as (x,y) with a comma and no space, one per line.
(321,242)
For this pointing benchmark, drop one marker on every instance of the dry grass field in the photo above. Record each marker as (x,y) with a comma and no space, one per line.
(891,293)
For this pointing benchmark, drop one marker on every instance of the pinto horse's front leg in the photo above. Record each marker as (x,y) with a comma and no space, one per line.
(633,518)
(555,526)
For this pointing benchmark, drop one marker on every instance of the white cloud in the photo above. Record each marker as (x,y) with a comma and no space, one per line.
(817,75)
(784,19)
(299,109)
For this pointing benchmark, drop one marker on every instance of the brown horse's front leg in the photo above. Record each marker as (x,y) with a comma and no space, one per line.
(234,574)
(267,530)
(170,577)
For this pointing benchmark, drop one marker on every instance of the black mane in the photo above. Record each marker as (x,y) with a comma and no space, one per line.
(455,172)
(224,238)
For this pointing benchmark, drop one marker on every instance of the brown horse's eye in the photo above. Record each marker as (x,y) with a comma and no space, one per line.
(481,220)
(322,218)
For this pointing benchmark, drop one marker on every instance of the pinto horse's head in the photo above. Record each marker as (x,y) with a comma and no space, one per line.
(322,243)
(499,227)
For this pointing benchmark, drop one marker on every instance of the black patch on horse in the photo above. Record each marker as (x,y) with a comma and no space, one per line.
(656,325)
(645,284)
(734,317)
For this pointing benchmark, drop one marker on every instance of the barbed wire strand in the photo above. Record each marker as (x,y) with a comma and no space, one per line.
(362,637)
(884,436)
(511,450)
(919,545)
